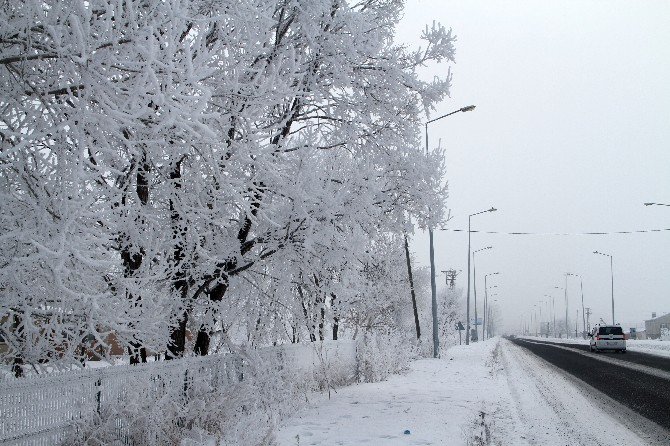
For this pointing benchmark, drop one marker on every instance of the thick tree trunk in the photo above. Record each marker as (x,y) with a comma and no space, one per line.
(203,340)
(177,344)
(132,261)
(17,364)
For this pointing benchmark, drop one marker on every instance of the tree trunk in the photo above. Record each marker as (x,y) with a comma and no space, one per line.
(336,319)
(133,261)
(312,336)
(17,365)
(322,318)
(177,344)
(203,340)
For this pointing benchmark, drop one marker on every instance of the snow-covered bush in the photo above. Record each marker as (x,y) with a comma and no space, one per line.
(379,356)
(451,311)
(232,399)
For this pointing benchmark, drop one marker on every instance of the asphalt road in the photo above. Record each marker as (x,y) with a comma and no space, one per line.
(638,381)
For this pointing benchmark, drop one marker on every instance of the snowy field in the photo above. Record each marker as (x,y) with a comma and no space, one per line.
(491,392)
(650,346)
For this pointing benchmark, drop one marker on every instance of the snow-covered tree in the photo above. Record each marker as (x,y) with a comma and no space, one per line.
(451,311)
(160,158)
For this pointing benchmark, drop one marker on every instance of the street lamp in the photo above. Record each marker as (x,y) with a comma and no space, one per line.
(486,306)
(581,287)
(467,315)
(488,315)
(542,302)
(656,204)
(612,273)
(474,279)
(433,287)
(486,302)
(551,310)
(567,329)
(553,303)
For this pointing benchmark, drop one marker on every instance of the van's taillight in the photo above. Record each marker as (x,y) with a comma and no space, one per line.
(597,338)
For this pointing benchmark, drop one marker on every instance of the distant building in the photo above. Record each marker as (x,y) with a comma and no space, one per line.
(653,327)
(640,335)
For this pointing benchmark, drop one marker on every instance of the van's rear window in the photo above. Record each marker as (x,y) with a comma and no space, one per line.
(610,331)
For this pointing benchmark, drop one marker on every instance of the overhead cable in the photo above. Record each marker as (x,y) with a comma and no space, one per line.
(641,231)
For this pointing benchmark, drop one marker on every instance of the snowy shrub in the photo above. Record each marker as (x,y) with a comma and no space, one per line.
(235,400)
(379,356)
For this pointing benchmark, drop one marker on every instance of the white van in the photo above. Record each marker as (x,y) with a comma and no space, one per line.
(607,337)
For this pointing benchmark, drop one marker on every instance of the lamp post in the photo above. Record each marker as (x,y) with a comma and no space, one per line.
(553,304)
(656,204)
(488,315)
(486,302)
(567,329)
(581,287)
(474,279)
(433,287)
(550,303)
(467,315)
(486,308)
(540,321)
(612,274)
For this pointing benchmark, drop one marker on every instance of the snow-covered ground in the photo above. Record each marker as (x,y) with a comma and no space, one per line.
(491,392)
(650,346)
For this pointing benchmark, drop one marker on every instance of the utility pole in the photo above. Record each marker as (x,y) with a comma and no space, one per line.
(450,277)
(612,273)
(567,330)
(411,290)
(576,323)
(588,323)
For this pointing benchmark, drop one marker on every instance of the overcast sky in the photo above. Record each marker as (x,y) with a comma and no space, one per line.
(571,134)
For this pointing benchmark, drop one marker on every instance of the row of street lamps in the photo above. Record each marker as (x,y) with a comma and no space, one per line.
(581,285)
(433,287)
(467,311)
(565,291)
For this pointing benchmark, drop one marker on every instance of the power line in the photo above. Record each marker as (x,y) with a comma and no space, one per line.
(641,231)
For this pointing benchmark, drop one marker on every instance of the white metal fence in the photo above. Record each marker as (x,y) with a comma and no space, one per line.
(42,410)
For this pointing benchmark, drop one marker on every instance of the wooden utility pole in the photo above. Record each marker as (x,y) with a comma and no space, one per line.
(411,290)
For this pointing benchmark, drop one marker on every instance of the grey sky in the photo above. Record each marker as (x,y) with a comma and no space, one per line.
(571,134)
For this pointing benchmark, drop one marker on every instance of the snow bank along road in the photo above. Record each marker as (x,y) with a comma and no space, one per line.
(489,393)
(639,381)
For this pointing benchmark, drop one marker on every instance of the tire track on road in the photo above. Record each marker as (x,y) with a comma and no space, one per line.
(561,424)
(638,400)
